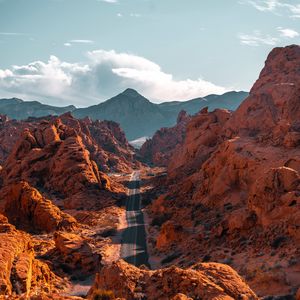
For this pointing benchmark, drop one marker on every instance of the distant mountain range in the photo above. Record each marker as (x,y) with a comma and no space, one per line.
(18,109)
(137,115)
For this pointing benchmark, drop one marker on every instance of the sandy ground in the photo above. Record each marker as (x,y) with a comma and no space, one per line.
(108,248)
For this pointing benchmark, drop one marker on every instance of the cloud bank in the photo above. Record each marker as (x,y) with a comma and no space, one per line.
(105,74)
(276,6)
(257,38)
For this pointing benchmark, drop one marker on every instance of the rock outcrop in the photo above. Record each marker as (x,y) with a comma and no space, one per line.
(233,185)
(27,209)
(105,140)
(56,156)
(75,255)
(201,281)
(20,272)
(203,135)
(52,156)
(159,149)
(271,112)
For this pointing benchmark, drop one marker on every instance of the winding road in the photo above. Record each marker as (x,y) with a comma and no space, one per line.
(134,246)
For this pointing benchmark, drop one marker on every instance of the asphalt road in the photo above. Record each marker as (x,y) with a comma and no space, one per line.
(134,246)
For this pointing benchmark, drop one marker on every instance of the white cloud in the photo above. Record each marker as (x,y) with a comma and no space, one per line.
(12,33)
(119,15)
(257,38)
(5,74)
(265,5)
(82,41)
(287,32)
(276,6)
(104,75)
(71,42)
(109,1)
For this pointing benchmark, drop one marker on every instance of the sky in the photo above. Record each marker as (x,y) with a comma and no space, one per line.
(83,52)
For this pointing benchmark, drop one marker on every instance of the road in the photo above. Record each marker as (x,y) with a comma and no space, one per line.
(134,246)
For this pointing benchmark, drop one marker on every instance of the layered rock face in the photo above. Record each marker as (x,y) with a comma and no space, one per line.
(20,272)
(52,156)
(237,197)
(162,145)
(105,140)
(9,135)
(27,209)
(201,281)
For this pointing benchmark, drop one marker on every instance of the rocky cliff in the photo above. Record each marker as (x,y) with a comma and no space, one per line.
(234,184)
(159,149)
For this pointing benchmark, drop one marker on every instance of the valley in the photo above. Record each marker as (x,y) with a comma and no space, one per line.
(207,208)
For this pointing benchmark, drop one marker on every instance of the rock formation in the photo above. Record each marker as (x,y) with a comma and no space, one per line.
(49,165)
(75,255)
(203,134)
(201,281)
(105,140)
(161,146)
(233,185)
(27,209)
(20,272)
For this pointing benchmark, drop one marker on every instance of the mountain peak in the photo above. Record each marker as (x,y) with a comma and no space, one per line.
(131,92)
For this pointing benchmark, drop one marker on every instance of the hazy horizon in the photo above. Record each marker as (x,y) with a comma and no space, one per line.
(43,101)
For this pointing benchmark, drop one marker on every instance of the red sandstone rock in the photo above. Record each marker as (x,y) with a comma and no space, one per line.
(169,233)
(28,210)
(105,140)
(161,146)
(202,137)
(233,185)
(75,254)
(205,281)
(20,272)
(272,110)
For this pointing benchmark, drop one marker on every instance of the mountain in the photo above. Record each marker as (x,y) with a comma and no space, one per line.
(18,109)
(139,117)
(229,100)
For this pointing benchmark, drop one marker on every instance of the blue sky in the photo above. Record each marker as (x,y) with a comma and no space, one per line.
(84,51)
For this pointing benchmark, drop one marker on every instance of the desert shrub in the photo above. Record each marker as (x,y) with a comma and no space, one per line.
(103,295)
